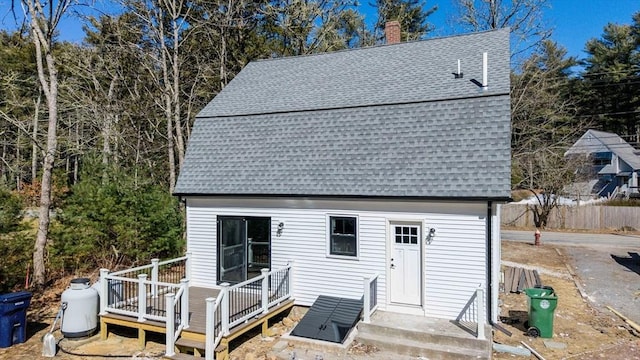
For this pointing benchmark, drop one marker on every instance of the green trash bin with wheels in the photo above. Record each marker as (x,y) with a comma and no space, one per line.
(542,305)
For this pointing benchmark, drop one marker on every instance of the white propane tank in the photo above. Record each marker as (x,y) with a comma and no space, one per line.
(80,309)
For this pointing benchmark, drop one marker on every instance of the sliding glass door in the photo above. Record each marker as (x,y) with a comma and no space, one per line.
(244,247)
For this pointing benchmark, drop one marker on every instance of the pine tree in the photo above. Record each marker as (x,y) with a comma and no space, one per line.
(411,14)
(611,80)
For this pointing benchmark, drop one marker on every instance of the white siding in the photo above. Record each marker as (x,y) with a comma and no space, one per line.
(304,240)
(454,262)
(201,242)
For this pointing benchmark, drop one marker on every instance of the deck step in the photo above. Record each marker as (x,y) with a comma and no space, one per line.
(180,356)
(191,344)
(415,348)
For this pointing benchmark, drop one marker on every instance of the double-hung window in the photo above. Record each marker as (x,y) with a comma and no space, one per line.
(343,236)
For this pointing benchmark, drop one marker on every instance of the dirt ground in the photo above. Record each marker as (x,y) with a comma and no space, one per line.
(585,332)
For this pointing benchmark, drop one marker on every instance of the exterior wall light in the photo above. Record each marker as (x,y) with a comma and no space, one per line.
(430,235)
(280,228)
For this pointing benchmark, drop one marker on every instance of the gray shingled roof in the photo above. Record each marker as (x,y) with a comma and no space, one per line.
(594,141)
(388,74)
(383,121)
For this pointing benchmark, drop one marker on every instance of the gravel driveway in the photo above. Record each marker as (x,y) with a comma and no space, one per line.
(608,265)
(609,276)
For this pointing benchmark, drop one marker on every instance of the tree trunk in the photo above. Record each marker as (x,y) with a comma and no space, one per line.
(169,119)
(48,77)
(34,146)
(17,162)
(176,95)
(76,165)
(39,270)
(223,57)
(168,103)
(3,167)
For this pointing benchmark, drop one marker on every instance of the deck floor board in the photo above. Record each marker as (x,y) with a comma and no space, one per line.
(197,307)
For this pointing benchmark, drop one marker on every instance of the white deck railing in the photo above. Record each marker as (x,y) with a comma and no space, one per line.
(181,301)
(237,304)
(158,291)
(370,297)
(130,292)
(139,291)
(474,314)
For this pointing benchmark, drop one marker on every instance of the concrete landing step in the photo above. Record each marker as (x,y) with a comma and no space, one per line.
(411,347)
(423,336)
(440,336)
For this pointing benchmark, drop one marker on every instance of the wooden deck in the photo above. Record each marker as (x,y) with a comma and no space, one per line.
(197,306)
(194,336)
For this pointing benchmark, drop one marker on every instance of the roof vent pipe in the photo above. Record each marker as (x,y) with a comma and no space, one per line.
(459,74)
(485,84)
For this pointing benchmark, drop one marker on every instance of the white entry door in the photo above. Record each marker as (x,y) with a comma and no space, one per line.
(404,266)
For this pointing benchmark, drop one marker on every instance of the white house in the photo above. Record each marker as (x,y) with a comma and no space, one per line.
(389,160)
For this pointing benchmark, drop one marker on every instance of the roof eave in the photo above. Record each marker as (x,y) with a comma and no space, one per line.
(353,197)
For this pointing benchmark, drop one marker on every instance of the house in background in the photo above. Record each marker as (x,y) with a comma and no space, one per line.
(386,163)
(614,164)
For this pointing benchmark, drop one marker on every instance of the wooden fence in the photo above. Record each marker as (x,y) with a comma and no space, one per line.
(587,217)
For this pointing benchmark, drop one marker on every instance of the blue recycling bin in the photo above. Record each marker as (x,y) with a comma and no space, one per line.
(13,318)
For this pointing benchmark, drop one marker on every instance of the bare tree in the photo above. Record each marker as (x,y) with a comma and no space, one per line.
(304,27)
(523,17)
(544,126)
(168,27)
(43,19)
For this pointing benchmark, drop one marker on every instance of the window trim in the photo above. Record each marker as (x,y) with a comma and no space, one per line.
(329,234)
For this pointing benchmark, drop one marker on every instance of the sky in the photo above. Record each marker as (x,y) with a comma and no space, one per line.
(574,21)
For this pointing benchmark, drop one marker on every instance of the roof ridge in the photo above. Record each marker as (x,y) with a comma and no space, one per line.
(379,46)
(603,132)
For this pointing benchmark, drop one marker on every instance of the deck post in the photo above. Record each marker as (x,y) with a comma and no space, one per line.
(265,290)
(209,329)
(187,266)
(104,291)
(480,313)
(366,303)
(224,318)
(154,277)
(184,304)
(170,325)
(142,297)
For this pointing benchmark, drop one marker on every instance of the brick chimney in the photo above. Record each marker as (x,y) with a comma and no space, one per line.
(392,32)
